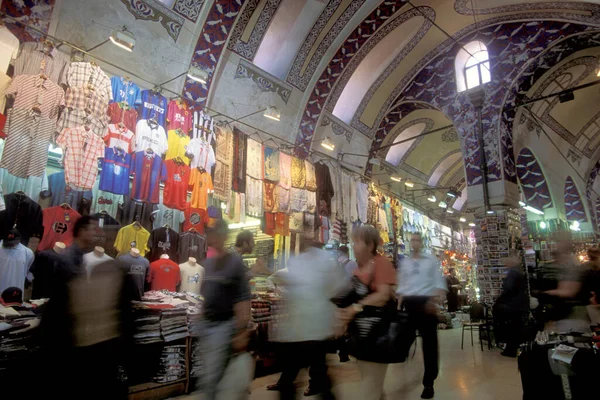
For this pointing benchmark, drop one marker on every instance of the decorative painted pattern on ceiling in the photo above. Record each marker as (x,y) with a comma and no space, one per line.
(512,46)
(248,49)
(210,46)
(533,181)
(295,76)
(592,196)
(374,40)
(35,13)
(464,7)
(574,208)
(264,81)
(338,127)
(154,10)
(189,9)
(429,123)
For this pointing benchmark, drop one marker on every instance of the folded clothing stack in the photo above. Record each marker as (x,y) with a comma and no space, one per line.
(146,325)
(174,324)
(172,364)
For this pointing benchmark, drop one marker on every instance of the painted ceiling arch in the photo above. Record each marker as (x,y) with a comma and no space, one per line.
(533,182)
(574,208)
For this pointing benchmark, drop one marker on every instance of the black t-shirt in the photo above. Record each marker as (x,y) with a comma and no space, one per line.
(225,284)
(164,241)
(44,270)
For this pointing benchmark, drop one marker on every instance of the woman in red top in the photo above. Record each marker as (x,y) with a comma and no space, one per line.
(379,273)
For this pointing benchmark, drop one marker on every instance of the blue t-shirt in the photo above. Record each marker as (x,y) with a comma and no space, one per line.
(152,105)
(114,177)
(61,193)
(148,170)
(125,90)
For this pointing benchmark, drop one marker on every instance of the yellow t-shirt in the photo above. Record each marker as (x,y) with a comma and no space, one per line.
(130,237)
(177,146)
(201,184)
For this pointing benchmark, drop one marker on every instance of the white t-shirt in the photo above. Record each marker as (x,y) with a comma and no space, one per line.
(9,48)
(191,277)
(203,154)
(91,260)
(14,266)
(148,137)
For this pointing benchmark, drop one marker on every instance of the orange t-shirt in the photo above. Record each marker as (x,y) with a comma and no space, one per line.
(384,273)
(201,184)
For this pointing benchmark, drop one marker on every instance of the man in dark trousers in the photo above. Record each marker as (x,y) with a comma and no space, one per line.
(453,286)
(421,284)
(511,307)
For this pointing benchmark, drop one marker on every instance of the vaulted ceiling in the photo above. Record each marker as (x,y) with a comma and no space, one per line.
(370,73)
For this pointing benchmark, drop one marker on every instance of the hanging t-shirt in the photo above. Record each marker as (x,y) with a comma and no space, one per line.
(105,201)
(165,215)
(196,218)
(164,241)
(58,226)
(177,145)
(62,193)
(152,105)
(201,153)
(114,177)
(192,244)
(132,237)
(119,112)
(106,233)
(164,275)
(120,136)
(191,277)
(14,266)
(125,90)
(136,269)
(148,170)
(179,116)
(201,184)
(24,214)
(149,136)
(177,183)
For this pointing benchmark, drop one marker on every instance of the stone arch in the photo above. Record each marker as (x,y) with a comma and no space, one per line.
(533,181)
(574,208)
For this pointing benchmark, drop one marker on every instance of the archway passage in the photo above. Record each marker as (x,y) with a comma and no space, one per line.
(533,182)
(574,209)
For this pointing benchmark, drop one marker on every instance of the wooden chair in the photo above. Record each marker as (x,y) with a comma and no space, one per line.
(478,321)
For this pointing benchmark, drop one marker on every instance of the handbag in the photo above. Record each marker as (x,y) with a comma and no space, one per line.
(376,334)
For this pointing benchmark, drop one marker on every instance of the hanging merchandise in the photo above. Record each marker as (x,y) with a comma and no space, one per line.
(298,200)
(59,192)
(298,173)
(176,184)
(122,113)
(85,98)
(177,144)
(167,216)
(311,201)
(81,150)
(325,190)
(15,261)
(164,241)
(75,117)
(44,269)
(114,177)
(152,105)
(23,214)
(34,57)
(203,127)
(254,166)
(297,222)
(311,179)
(195,218)
(132,236)
(150,135)
(58,226)
(137,211)
(309,226)
(271,157)
(125,90)
(285,171)
(269,199)
(90,75)
(164,274)
(106,233)
(223,168)
(94,258)
(362,195)
(201,153)
(192,244)
(136,267)
(147,169)
(30,125)
(282,197)
(105,201)
(179,116)
(120,136)
(254,197)
(201,185)
(239,161)
(32,186)
(192,274)
(282,224)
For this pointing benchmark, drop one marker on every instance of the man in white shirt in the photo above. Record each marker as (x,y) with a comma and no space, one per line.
(420,282)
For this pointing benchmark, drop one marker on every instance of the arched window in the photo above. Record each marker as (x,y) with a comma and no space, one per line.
(472,65)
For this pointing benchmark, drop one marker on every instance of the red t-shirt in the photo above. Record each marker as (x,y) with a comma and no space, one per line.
(176,185)
(164,274)
(179,116)
(58,226)
(196,218)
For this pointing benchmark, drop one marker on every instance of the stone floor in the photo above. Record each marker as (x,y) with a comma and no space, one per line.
(464,374)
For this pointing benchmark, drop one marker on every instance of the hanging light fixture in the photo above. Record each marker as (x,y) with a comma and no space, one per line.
(409,183)
(197,74)
(462,219)
(533,210)
(123,39)
(575,226)
(396,178)
(450,211)
(443,204)
(328,144)
(272,113)
(543,225)
(432,199)
(598,69)
(472,224)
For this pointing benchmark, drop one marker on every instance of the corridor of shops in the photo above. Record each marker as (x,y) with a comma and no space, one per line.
(284,199)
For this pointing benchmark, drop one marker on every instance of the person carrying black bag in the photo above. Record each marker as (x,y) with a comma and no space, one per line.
(377,276)
(420,284)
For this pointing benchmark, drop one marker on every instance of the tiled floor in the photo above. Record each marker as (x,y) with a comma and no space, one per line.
(464,374)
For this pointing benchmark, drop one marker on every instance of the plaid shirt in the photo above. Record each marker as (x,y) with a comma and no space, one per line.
(86,99)
(32,90)
(81,152)
(76,117)
(84,74)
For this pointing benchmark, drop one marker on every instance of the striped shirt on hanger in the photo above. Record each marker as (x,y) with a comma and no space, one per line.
(35,58)
(33,90)
(26,149)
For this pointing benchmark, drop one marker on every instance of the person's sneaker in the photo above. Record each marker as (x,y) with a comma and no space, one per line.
(274,387)
(427,392)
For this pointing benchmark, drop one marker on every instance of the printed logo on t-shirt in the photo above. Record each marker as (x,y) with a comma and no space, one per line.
(133,244)
(177,178)
(193,248)
(164,245)
(194,278)
(154,107)
(137,270)
(103,200)
(59,227)
(195,218)
(179,118)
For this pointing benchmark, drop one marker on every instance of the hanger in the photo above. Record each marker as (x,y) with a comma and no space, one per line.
(153,121)
(66,206)
(137,224)
(167,226)
(127,78)
(192,230)
(36,109)
(104,212)
(121,126)
(257,134)
(149,150)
